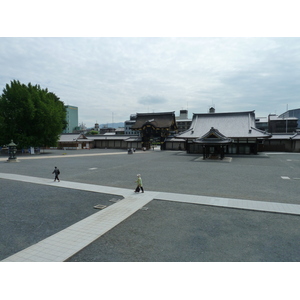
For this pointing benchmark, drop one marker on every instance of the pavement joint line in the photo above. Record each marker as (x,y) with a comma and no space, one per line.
(101,222)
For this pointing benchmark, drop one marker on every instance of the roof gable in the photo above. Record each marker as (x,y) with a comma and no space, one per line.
(213,136)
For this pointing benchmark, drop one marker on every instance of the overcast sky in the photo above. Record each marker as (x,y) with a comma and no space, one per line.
(109,78)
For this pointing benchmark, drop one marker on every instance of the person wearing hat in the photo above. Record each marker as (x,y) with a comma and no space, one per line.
(139,184)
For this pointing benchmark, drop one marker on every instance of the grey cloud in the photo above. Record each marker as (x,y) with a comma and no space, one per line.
(152,100)
(163,74)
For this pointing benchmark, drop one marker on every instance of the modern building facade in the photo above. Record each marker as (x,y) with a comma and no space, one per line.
(71,118)
(295,113)
(182,121)
(278,124)
(261,123)
(128,124)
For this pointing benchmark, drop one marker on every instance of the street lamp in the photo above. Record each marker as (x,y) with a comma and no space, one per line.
(12,150)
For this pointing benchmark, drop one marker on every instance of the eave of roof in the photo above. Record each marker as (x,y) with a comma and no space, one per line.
(115,137)
(286,136)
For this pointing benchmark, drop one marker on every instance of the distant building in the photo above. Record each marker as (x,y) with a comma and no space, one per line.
(97,128)
(128,124)
(262,123)
(182,121)
(71,118)
(277,124)
(120,130)
(105,129)
(292,113)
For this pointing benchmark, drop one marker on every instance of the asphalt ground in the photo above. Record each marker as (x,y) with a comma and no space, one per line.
(246,177)
(30,213)
(167,231)
(179,232)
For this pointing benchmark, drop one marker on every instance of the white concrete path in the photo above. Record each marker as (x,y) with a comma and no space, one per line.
(22,157)
(62,245)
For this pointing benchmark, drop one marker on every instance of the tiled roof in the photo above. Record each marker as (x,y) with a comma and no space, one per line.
(115,137)
(172,139)
(231,125)
(286,136)
(134,139)
(158,120)
(73,138)
(282,136)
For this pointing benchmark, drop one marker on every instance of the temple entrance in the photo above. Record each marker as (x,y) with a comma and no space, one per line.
(213,151)
(151,136)
(154,128)
(214,144)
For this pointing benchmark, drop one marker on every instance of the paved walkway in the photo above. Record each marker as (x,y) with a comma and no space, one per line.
(22,157)
(62,245)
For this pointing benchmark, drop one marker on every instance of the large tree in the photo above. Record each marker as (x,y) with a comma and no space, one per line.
(31,116)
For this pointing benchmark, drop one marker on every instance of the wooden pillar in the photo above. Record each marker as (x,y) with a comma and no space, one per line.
(255,148)
(222,152)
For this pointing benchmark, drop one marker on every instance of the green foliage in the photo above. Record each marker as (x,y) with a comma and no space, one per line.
(93,132)
(31,116)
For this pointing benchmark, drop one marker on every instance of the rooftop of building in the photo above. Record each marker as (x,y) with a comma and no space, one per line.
(230,124)
(158,120)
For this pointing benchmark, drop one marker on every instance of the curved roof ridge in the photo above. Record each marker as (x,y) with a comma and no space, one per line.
(226,113)
(156,113)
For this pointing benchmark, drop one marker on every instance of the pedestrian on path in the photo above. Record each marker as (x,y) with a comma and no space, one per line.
(139,184)
(56,172)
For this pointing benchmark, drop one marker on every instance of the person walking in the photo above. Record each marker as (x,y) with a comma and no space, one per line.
(56,172)
(139,184)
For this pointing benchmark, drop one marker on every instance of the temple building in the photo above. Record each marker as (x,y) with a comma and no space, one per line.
(74,141)
(216,134)
(154,128)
